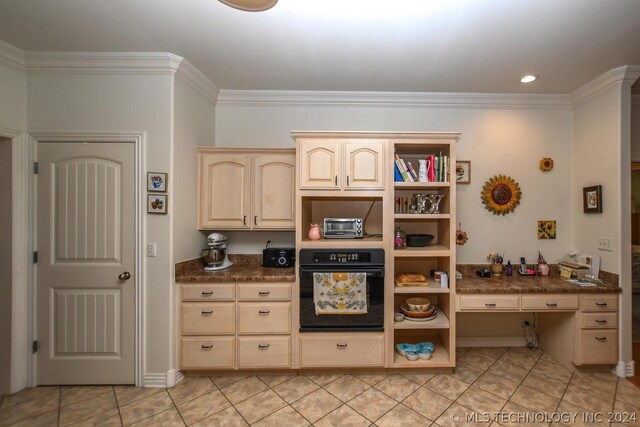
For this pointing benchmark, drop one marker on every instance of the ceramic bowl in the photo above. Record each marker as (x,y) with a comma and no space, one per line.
(417,314)
(418,304)
(425,354)
(399,317)
(419,240)
(412,355)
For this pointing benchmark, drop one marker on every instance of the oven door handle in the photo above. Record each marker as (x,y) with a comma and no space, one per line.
(371,272)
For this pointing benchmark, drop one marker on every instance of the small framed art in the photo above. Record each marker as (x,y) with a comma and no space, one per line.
(157,182)
(463,172)
(157,203)
(592,199)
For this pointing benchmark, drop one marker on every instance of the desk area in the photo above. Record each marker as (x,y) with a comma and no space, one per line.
(578,325)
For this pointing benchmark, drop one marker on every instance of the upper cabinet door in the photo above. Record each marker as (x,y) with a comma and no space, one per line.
(364,165)
(225,191)
(319,163)
(274,178)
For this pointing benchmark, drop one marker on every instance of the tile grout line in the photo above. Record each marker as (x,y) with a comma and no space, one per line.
(175,406)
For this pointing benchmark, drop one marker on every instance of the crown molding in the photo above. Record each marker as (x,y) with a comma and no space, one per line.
(197,81)
(290,98)
(12,56)
(625,75)
(146,63)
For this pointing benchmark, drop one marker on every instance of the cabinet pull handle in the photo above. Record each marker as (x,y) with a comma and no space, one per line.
(206,346)
(207,312)
(601,304)
(347,180)
(244,220)
(601,321)
(264,312)
(255,220)
(264,293)
(207,294)
(339,345)
(551,304)
(336,180)
(263,346)
(490,304)
(601,338)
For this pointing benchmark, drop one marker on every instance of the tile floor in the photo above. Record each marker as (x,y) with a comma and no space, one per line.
(512,382)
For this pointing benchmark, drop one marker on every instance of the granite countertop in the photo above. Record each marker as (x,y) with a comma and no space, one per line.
(471,283)
(245,268)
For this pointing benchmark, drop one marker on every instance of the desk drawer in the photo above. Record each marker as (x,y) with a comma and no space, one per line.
(599,320)
(264,318)
(208,292)
(599,302)
(205,318)
(207,352)
(264,292)
(550,302)
(489,302)
(598,347)
(345,351)
(264,352)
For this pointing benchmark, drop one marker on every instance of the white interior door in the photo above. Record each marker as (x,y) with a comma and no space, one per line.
(86,265)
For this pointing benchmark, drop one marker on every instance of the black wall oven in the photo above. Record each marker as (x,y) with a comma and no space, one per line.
(367,261)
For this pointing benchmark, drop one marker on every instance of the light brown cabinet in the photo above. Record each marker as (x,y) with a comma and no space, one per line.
(246,189)
(597,332)
(335,164)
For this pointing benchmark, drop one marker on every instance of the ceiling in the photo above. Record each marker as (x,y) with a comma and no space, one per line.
(368,45)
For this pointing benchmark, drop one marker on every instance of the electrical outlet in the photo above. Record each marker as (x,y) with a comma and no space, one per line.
(152,249)
(605,243)
(524,324)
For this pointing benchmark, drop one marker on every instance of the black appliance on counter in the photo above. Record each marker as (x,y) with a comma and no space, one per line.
(279,257)
(369,261)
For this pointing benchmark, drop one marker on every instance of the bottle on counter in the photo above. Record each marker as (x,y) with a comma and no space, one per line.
(509,268)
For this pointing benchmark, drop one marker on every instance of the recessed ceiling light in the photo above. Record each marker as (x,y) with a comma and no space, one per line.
(251,5)
(528,78)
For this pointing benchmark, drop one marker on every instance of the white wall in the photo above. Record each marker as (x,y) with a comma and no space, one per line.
(635,129)
(497,141)
(6,281)
(65,102)
(194,118)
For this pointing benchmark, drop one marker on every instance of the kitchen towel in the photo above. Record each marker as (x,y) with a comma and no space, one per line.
(340,293)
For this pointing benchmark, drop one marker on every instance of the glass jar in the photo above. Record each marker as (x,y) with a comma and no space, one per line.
(400,239)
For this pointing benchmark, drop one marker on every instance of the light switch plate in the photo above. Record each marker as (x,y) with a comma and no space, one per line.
(605,243)
(152,249)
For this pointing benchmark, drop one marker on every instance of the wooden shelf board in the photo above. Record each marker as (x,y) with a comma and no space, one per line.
(427,251)
(440,322)
(432,288)
(343,243)
(439,359)
(420,185)
(421,216)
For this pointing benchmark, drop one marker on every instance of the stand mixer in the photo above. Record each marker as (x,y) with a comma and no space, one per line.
(215,256)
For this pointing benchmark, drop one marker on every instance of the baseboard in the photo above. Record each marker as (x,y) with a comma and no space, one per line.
(513,341)
(626,369)
(163,380)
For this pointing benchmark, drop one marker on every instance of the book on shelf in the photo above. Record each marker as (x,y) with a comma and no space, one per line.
(437,169)
(397,176)
(412,171)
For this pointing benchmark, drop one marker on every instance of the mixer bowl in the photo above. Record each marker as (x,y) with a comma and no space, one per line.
(213,257)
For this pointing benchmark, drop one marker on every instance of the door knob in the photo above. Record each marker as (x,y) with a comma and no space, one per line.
(124,276)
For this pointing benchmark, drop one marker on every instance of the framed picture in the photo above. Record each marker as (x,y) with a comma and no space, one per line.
(157,182)
(157,203)
(463,172)
(592,199)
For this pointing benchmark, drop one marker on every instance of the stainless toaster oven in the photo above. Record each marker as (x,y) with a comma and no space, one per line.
(343,228)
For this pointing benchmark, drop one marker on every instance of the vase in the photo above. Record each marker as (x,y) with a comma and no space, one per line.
(314,232)
(496,268)
(543,269)
(422,171)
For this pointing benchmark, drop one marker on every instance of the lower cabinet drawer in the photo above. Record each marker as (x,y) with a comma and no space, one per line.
(599,302)
(264,291)
(598,347)
(267,318)
(550,302)
(488,302)
(208,292)
(599,320)
(202,318)
(264,352)
(207,352)
(344,350)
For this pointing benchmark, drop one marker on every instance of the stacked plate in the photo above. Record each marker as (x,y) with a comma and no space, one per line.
(419,316)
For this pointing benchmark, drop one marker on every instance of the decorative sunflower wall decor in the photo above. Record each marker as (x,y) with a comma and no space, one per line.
(546,230)
(461,235)
(501,194)
(546,164)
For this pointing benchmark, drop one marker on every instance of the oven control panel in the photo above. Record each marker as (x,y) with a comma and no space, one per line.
(341,257)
